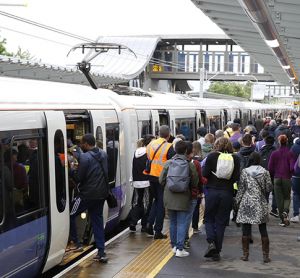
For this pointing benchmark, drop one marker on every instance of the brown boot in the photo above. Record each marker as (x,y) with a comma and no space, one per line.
(265,248)
(245,244)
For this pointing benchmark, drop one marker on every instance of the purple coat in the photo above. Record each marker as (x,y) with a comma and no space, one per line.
(281,163)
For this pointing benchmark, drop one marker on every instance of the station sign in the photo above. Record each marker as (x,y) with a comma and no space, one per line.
(258,91)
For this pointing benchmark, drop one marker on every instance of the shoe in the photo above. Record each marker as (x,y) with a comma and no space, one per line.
(181,253)
(282,224)
(144,229)
(295,219)
(274,213)
(186,244)
(211,250)
(216,257)
(196,231)
(101,258)
(160,236)
(149,231)
(75,248)
(174,249)
(132,228)
(286,220)
(265,244)
(245,246)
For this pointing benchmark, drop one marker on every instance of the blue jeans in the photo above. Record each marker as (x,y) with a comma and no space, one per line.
(296,195)
(177,227)
(95,212)
(218,205)
(157,212)
(190,216)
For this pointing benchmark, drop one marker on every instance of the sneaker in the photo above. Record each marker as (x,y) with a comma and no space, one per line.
(216,257)
(181,253)
(132,228)
(186,244)
(274,213)
(282,224)
(211,250)
(295,219)
(144,229)
(149,231)
(101,258)
(286,220)
(174,249)
(75,248)
(196,231)
(160,236)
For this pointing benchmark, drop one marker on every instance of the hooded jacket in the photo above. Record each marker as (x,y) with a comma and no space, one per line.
(243,155)
(140,180)
(92,177)
(206,149)
(251,200)
(282,129)
(295,149)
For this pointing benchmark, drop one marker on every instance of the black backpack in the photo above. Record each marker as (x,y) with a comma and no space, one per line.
(265,153)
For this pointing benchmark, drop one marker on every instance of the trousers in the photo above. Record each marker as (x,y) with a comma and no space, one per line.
(247,230)
(282,189)
(178,221)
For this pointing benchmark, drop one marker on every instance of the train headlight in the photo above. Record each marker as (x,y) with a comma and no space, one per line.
(83,215)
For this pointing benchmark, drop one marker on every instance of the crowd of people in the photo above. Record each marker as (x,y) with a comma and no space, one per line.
(235,170)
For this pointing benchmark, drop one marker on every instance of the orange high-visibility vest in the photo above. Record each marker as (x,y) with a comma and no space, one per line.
(160,158)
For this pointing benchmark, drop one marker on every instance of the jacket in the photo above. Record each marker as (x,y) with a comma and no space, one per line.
(179,201)
(212,181)
(281,163)
(206,149)
(161,155)
(295,129)
(272,130)
(282,129)
(265,153)
(295,149)
(255,183)
(243,155)
(92,180)
(140,180)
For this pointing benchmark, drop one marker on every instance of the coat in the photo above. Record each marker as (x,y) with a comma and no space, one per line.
(251,200)
(179,201)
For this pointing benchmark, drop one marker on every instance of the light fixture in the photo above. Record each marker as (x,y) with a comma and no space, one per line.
(272,43)
(83,215)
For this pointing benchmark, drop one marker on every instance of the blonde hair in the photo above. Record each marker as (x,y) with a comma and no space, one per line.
(223,145)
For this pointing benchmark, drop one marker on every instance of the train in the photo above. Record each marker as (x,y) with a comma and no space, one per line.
(39,119)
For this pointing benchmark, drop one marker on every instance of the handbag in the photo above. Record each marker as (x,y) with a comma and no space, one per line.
(149,161)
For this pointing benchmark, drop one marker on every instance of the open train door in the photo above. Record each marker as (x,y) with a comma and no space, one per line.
(58,187)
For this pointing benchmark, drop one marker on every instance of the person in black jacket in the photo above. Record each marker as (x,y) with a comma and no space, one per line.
(283,129)
(245,151)
(141,184)
(93,190)
(219,198)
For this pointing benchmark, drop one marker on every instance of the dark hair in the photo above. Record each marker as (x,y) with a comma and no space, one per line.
(89,139)
(264,133)
(189,147)
(270,140)
(223,145)
(254,159)
(147,139)
(164,131)
(201,131)
(237,121)
(181,147)
(235,126)
(247,139)
(285,122)
(250,123)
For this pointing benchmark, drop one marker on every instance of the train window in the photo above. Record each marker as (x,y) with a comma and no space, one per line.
(99,137)
(146,128)
(112,149)
(156,128)
(186,127)
(214,124)
(60,177)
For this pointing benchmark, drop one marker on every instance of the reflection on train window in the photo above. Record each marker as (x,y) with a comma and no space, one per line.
(22,174)
(112,149)
(145,128)
(60,177)
(99,137)
(156,128)
(214,124)
(203,119)
(187,128)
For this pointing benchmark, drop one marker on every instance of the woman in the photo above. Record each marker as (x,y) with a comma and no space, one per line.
(219,196)
(281,167)
(255,184)
(140,184)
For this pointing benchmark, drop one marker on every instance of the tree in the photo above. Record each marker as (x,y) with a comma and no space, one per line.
(3,50)
(231,88)
(22,54)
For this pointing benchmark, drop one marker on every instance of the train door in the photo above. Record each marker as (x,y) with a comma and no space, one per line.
(144,122)
(198,119)
(155,122)
(164,118)
(58,186)
(172,122)
(203,118)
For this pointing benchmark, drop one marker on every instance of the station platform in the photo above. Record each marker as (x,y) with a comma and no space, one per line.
(136,255)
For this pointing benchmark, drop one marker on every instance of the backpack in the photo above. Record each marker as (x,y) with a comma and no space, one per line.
(225,166)
(178,177)
(265,153)
(297,167)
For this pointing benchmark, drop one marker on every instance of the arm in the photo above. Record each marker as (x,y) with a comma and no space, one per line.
(271,165)
(268,182)
(163,175)
(208,166)
(242,188)
(82,168)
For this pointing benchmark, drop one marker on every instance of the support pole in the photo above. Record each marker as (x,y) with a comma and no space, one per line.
(201,82)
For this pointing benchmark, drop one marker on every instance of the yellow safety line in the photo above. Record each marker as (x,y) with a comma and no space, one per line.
(159,267)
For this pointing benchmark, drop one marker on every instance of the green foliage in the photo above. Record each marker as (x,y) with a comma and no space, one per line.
(3,50)
(231,88)
(22,54)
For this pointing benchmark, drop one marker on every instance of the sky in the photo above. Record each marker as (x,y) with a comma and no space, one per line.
(93,18)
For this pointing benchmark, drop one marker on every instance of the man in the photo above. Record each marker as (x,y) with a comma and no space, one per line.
(228,130)
(201,131)
(259,124)
(208,145)
(261,143)
(295,129)
(93,190)
(284,129)
(236,133)
(245,151)
(158,151)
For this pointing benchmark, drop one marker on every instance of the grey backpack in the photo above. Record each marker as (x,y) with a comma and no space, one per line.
(178,177)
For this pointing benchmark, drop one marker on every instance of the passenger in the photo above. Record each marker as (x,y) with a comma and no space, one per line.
(177,195)
(272,128)
(175,141)
(92,175)
(180,136)
(208,145)
(261,143)
(158,151)
(236,133)
(251,128)
(245,151)
(196,196)
(219,133)
(293,120)
(219,197)
(281,167)
(284,129)
(197,151)
(141,186)
(295,129)
(228,130)
(201,131)
(255,183)
(259,124)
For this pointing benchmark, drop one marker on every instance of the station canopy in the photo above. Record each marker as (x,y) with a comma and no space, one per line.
(267,30)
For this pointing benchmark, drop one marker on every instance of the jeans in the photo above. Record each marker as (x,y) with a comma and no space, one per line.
(95,211)
(190,216)
(274,204)
(296,195)
(282,189)
(177,227)
(157,212)
(218,204)
(248,227)
(196,215)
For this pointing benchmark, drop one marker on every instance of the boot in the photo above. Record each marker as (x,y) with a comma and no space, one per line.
(245,244)
(265,248)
